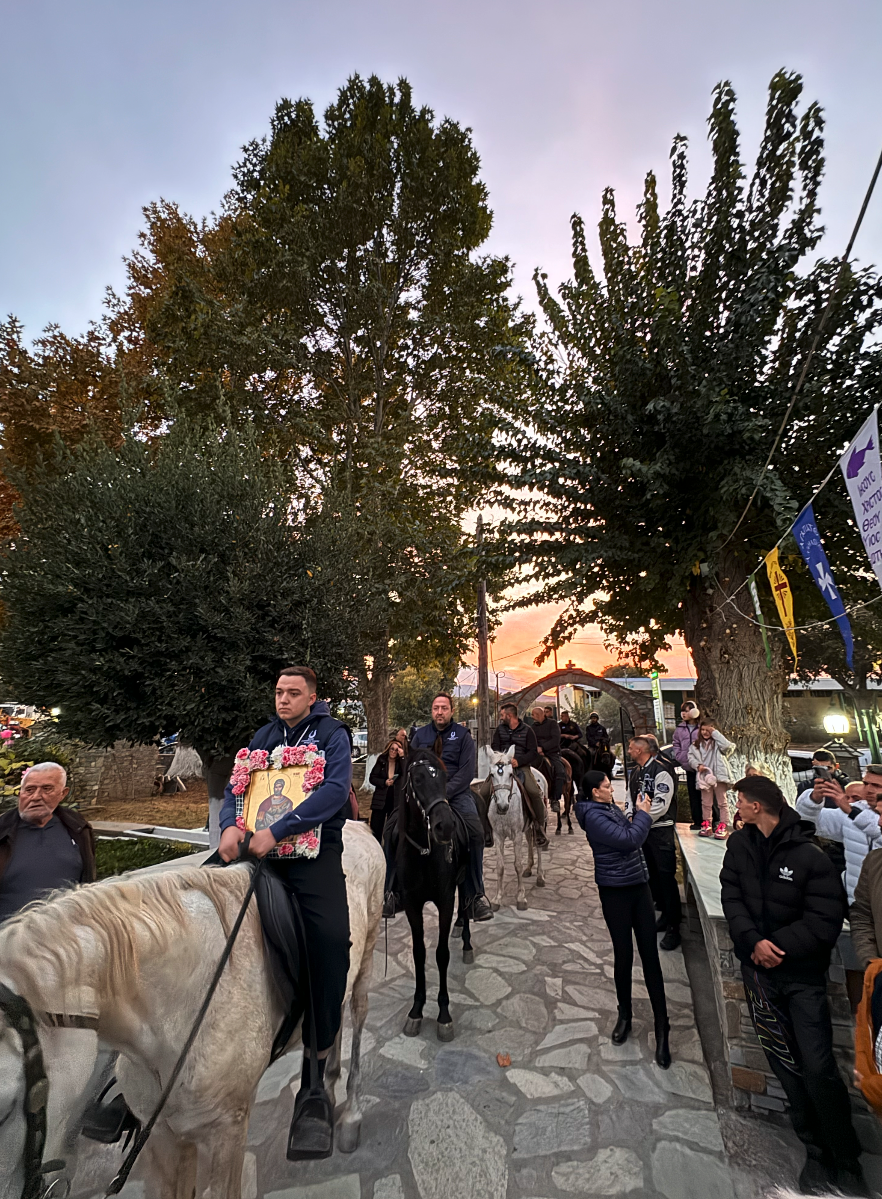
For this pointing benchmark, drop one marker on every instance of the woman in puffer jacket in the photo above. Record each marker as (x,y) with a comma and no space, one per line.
(622,883)
(853,822)
(708,756)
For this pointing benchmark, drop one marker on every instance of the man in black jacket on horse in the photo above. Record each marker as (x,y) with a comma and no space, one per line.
(513,732)
(317,882)
(785,905)
(548,744)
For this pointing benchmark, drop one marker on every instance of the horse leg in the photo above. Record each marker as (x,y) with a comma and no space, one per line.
(570,801)
(171,1165)
(500,869)
(528,837)
(223,1153)
(559,821)
(518,846)
(442,957)
(540,873)
(349,1120)
(334,1064)
(418,940)
(468,954)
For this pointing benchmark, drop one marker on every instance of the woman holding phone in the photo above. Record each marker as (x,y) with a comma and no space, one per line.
(623,885)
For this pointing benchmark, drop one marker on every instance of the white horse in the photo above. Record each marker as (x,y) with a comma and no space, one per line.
(138,953)
(506,815)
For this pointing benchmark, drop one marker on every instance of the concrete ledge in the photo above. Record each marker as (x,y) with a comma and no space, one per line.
(153,832)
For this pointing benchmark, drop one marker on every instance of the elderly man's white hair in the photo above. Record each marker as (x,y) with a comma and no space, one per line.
(39,766)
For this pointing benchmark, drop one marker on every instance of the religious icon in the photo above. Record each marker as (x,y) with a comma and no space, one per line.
(271,795)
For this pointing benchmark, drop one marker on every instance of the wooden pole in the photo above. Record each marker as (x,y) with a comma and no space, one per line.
(483,639)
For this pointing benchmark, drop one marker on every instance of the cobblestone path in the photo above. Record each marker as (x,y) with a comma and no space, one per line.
(572,1115)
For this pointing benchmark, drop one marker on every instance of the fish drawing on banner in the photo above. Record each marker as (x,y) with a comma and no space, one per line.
(863,478)
(808,538)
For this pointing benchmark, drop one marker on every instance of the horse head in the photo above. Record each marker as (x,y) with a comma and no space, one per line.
(426,784)
(502,778)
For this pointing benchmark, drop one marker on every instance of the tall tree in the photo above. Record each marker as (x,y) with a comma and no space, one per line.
(658,391)
(340,301)
(158,588)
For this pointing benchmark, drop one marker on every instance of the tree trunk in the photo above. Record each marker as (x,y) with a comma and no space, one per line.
(734,687)
(375,692)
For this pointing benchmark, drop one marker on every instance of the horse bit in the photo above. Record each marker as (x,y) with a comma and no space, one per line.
(21,1020)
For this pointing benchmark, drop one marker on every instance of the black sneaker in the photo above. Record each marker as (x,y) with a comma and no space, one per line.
(695,828)
(481,909)
(311,1136)
(670,940)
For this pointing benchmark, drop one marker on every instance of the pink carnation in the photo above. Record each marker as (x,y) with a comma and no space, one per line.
(240,789)
(313,778)
(312,748)
(309,840)
(240,823)
(259,759)
(285,849)
(241,755)
(289,756)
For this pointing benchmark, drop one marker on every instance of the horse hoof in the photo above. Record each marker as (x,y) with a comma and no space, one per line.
(468,956)
(522,905)
(540,882)
(445,1031)
(557,832)
(527,874)
(495,906)
(412,1026)
(347,1135)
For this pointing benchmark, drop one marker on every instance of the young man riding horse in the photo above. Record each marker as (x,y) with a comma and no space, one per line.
(513,731)
(317,882)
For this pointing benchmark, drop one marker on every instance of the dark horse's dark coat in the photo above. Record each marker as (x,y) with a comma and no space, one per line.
(431,860)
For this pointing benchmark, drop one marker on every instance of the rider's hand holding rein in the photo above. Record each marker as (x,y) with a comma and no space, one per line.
(230,840)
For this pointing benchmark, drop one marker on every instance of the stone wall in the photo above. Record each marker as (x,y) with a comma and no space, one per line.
(123,772)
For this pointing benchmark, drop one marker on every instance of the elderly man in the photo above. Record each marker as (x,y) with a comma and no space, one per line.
(42,846)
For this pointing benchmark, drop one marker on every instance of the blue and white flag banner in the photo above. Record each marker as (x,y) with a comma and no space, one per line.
(805,530)
(863,478)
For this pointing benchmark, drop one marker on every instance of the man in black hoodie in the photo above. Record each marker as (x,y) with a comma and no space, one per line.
(785,905)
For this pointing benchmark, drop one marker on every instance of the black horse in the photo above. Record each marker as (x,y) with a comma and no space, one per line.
(432,855)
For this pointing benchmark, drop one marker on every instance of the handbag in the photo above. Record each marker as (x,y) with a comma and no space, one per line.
(707,780)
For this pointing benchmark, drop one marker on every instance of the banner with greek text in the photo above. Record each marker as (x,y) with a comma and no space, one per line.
(808,538)
(783,596)
(863,478)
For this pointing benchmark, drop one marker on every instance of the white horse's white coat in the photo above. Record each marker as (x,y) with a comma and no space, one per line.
(506,816)
(139,953)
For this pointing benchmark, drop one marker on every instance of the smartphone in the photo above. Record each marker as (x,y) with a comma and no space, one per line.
(821,772)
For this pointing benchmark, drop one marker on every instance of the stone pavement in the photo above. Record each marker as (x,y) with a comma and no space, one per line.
(572,1115)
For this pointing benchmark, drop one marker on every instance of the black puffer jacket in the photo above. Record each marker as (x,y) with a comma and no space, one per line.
(547,736)
(784,889)
(522,738)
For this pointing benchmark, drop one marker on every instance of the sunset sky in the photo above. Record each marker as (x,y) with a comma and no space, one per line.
(109,106)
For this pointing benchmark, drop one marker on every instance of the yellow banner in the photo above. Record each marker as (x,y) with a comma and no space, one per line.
(783,597)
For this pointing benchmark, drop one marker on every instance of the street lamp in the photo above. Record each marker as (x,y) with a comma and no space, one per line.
(836,724)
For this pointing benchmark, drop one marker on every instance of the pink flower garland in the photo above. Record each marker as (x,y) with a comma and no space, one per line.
(292,755)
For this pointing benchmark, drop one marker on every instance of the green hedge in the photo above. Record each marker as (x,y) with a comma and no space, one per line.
(119,854)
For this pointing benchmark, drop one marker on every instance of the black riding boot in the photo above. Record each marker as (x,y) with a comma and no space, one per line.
(311,1136)
(662,1048)
(622,1029)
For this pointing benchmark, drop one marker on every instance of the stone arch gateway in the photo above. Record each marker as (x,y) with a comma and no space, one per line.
(636,704)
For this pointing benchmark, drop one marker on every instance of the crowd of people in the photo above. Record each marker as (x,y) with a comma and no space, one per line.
(790,877)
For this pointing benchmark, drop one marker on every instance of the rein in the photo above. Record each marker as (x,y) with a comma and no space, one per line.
(422,850)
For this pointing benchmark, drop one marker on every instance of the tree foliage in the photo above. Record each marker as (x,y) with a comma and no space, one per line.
(659,387)
(156,588)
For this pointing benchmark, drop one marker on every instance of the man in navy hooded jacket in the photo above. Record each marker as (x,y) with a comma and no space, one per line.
(318,883)
(454,746)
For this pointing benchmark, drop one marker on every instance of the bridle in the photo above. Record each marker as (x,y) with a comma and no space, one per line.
(21,1019)
(511,787)
(410,793)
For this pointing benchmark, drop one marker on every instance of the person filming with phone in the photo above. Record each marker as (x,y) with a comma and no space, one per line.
(852,820)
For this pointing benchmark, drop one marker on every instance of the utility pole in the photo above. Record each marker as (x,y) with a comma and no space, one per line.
(558,686)
(483,638)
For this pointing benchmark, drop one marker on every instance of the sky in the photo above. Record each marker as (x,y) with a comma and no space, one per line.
(107,106)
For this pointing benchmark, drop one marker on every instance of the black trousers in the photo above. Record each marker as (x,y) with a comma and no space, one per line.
(695,800)
(378,820)
(660,852)
(792,1021)
(320,887)
(628,910)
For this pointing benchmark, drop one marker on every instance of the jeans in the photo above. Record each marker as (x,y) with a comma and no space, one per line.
(792,1021)
(628,910)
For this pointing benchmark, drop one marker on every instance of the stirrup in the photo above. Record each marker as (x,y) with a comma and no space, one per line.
(311,1136)
(106,1122)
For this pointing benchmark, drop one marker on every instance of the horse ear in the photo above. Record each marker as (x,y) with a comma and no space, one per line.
(510,752)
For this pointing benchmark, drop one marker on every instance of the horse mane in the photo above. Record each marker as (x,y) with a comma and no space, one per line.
(123,915)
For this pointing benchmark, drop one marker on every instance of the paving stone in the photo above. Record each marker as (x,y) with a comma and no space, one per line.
(518,1042)
(577,947)
(701,1127)
(541,939)
(553,1128)
(572,1057)
(515,947)
(674,967)
(593,997)
(463,1067)
(688,1079)
(478,1018)
(347,1186)
(566,1011)
(400,1084)
(525,1011)
(635,1083)
(249,1177)
(409,1050)
(580,1030)
(452,1151)
(596,1088)
(278,1076)
(487,986)
(553,987)
(680,1173)
(389,1187)
(496,961)
(538,1086)
(612,1171)
(629,1052)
